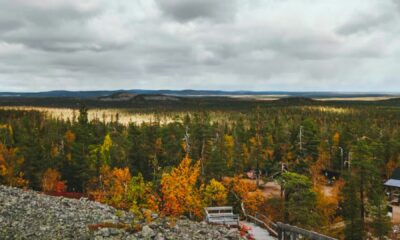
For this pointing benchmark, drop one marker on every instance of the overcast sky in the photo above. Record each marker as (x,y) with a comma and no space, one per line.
(295,45)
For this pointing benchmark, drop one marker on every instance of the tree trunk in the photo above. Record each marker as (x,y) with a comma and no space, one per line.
(362,206)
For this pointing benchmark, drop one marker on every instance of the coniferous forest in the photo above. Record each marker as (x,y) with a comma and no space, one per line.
(327,163)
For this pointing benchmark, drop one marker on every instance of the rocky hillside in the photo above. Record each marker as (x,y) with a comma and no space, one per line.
(31,215)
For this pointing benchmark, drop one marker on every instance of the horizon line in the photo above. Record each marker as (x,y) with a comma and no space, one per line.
(210,90)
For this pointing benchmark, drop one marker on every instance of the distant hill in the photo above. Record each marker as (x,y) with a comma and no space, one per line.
(295,101)
(126,96)
(164,102)
(119,96)
(188,92)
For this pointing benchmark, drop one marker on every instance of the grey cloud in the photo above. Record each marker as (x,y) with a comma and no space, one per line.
(44,14)
(9,25)
(209,44)
(364,23)
(397,3)
(183,10)
(49,28)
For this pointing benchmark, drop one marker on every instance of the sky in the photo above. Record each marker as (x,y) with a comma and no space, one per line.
(261,45)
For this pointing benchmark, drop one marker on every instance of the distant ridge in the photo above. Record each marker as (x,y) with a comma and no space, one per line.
(295,100)
(189,92)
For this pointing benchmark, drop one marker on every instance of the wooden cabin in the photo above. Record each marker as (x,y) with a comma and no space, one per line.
(393,187)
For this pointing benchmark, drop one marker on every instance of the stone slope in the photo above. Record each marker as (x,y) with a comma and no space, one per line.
(31,215)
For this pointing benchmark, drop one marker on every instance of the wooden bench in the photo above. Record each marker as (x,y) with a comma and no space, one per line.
(221,215)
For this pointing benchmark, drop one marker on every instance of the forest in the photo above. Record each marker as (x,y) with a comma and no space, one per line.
(199,160)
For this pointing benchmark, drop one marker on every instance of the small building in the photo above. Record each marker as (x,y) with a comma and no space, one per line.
(393,187)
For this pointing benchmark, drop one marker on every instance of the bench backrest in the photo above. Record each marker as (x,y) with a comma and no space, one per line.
(218,210)
(221,215)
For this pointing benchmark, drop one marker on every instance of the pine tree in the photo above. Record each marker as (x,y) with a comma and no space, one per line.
(300,200)
(351,210)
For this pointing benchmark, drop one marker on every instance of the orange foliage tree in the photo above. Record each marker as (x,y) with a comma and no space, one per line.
(69,139)
(51,181)
(390,166)
(113,186)
(118,188)
(246,190)
(179,192)
(10,167)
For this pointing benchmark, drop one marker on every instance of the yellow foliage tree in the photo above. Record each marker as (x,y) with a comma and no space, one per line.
(229,145)
(215,194)
(10,167)
(105,149)
(179,192)
(245,154)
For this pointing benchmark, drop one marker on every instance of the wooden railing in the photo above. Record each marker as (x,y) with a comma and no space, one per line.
(280,230)
(261,220)
(287,231)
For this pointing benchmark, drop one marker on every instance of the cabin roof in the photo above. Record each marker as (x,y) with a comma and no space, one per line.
(394,180)
(393,183)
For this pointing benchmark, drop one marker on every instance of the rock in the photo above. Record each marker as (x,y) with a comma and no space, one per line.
(30,215)
(201,232)
(105,232)
(232,234)
(147,232)
(44,228)
(114,231)
(131,237)
(159,236)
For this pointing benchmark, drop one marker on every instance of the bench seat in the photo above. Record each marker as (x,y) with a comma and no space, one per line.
(221,215)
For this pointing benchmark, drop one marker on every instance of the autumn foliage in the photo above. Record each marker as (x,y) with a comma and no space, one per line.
(246,190)
(215,194)
(10,167)
(113,186)
(69,139)
(179,192)
(51,181)
(118,188)
(183,195)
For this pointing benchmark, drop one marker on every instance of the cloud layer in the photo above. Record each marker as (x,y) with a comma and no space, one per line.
(298,45)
